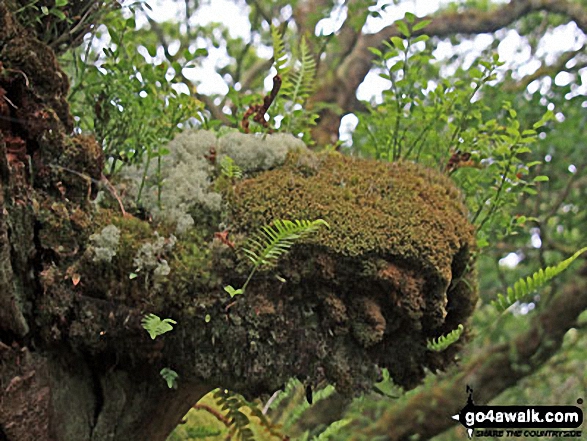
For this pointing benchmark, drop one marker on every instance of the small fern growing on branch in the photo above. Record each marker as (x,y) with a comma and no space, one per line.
(524,287)
(229,169)
(271,242)
(444,341)
(155,326)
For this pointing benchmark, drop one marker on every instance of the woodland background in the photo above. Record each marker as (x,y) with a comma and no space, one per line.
(510,132)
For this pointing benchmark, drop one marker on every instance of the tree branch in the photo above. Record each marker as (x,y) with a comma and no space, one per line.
(489,374)
(351,71)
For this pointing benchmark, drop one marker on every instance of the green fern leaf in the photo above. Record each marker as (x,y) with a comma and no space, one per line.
(155,326)
(280,57)
(170,376)
(444,341)
(524,287)
(229,169)
(270,243)
(303,78)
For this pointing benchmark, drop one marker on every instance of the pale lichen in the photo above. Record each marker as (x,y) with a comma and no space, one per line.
(105,243)
(188,171)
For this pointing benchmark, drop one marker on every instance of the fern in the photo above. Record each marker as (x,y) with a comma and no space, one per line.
(295,414)
(298,76)
(444,341)
(332,431)
(270,243)
(155,326)
(524,287)
(229,169)
(232,404)
(303,78)
(280,57)
(170,376)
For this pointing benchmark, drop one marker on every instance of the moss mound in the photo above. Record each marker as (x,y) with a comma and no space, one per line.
(391,273)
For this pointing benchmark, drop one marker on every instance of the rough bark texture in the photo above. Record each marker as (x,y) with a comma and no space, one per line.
(49,391)
(496,369)
(75,364)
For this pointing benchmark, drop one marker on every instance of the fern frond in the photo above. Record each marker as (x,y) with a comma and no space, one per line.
(303,78)
(524,287)
(155,326)
(270,243)
(280,58)
(232,403)
(170,377)
(229,169)
(265,248)
(444,341)
(333,430)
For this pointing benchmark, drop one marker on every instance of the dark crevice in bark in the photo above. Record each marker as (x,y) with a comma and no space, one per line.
(98,393)
(3,436)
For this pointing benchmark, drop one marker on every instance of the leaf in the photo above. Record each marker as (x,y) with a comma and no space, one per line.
(232,291)
(421,25)
(170,376)
(75,279)
(229,169)
(398,43)
(272,242)
(155,326)
(524,287)
(403,28)
(444,341)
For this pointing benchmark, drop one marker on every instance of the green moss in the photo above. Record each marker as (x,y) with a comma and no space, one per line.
(399,209)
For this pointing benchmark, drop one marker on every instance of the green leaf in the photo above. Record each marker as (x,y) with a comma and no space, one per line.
(403,28)
(409,17)
(524,287)
(201,52)
(170,377)
(398,43)
(541,178)
(475,73)
(61,3)
(375,51)
(58,13)
(155,326)
(418,40)
(444,341)
(232,291)
(421,25)
(272,242)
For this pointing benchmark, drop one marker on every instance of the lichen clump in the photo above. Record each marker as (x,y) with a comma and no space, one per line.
(188,172)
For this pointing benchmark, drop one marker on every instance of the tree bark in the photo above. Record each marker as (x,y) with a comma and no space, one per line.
(53,392)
